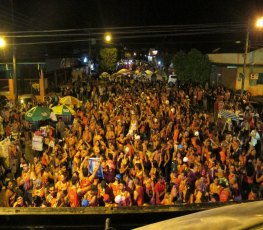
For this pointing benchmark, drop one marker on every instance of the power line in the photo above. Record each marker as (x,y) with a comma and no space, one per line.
(131,33)
(136,28)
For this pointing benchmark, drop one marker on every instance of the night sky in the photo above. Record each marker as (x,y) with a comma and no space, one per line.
(58,14)
(102,15)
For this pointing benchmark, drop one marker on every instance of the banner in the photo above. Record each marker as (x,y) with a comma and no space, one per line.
(37,143)
(93,162)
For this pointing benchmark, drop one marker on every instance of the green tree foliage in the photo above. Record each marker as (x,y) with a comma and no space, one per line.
(108,59)
(193,66)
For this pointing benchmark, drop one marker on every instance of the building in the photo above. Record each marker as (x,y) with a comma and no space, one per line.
(228,71)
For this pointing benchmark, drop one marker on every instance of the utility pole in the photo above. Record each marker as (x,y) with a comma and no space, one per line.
(245,61)
(89,58)
(14,53)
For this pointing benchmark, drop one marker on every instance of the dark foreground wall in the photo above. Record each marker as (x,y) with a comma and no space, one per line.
(92,218)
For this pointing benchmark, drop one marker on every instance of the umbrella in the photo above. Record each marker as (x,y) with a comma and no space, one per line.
(137,72)
(148,72)
(123,71)
(38,113)
(63,110)
(69,100)
(228,115)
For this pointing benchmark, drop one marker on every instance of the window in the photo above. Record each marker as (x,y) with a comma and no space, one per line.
(260,78)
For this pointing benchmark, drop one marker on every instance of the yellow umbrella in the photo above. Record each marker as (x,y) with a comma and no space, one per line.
(148,72)
(69,100)
(63,110)
(137,72)
(123,71)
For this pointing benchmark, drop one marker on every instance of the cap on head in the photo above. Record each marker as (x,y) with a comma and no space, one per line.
(118,176)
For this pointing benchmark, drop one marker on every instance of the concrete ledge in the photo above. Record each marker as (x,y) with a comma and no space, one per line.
(111,210)
(94,217)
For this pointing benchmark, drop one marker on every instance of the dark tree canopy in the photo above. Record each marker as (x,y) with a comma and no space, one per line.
(192,66)
(108,59)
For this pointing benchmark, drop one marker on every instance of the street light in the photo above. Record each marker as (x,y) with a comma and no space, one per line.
(14,54)
(107,37)
(258,24)
(2,43)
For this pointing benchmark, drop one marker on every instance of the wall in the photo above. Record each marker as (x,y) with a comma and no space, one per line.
(250,85)
(231,77)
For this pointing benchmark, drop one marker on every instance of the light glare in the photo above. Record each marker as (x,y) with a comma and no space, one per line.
(259,22)
(108,37)
(2,42)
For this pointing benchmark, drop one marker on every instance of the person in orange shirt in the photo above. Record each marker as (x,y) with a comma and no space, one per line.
(80,113)
(224,193)
(86,135)
(222,154)
(38,189)
(252,195)
(176,133)
(91,196)
(138,192)
(214,188)
(115,186)
(10,195)
(123,197)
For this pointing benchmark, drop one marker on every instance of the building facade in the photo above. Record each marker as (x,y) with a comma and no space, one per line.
(228,69)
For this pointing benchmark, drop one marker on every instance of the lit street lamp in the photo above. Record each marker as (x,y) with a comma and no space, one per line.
(107,37)
(14,54)
(258,24)
(2,43)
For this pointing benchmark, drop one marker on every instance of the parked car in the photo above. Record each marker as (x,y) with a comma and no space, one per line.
(172,79)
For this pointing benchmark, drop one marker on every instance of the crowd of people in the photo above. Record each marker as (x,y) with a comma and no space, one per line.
(154,144)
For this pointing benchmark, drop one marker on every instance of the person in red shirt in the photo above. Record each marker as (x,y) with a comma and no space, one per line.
(73,191)
(224,192)
(159,190)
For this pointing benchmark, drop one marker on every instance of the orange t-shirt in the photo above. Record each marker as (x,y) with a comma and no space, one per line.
(73,197)
(140,191)
(222,156)
(176,134)
(224,195)
(85,182)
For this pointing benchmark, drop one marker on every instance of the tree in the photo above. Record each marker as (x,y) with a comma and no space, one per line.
(108,59)
(193,66)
